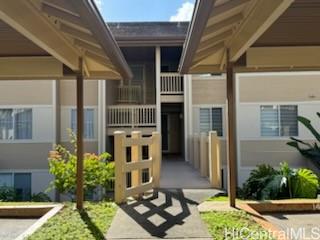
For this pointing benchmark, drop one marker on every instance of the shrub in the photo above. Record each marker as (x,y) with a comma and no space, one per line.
(98,170)
(40,197)
(7,194)
(267,183)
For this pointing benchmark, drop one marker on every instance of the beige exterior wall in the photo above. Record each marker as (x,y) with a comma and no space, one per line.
(38,92)
(280,87)
(24,155)
(208,90)
(68,92)
(271,152)
(89,146)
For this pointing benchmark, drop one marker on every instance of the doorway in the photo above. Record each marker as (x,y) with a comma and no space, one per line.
(172,129)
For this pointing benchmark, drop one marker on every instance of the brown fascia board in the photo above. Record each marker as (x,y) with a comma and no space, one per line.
(197,26)
(92,17)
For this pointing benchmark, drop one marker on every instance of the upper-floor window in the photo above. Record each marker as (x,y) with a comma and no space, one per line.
(15,124)
(88,132)
(211,120)
(279,120)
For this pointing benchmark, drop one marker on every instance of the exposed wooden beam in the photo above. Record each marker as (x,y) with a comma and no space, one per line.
(75,33)
(200,56)
(232,131)
(279,57)
(226,7)
(27,20)
(62,15)
(19,67)
(61,4)
(261,17)
(225,24)
(89,47)
(99,59)
(214,40)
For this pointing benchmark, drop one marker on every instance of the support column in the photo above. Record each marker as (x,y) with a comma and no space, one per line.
(158,88)
(188,115)
(232,140)
(80,125)
(102,125)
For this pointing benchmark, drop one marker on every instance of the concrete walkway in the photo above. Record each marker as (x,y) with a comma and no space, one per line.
(169,214)
(176,173)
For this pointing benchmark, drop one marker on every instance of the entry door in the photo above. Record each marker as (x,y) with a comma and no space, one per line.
(22,185)
(165,132)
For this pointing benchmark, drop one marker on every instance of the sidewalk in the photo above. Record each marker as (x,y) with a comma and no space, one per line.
(171,215)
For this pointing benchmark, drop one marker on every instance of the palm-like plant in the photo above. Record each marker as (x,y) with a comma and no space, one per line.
(308,150)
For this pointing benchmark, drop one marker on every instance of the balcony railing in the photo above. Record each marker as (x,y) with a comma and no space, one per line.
(171,83)
(129,94)
(132,116)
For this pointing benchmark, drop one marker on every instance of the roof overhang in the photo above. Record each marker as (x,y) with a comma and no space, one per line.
(221,25)
(68,30)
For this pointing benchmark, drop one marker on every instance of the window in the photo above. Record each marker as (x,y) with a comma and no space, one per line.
(88,122)
(21,182)
(211,119)
(16,124)
(279,120)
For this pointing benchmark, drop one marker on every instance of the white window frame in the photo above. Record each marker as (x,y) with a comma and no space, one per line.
(278,107)
(211,122)
(14,139)
(93,138)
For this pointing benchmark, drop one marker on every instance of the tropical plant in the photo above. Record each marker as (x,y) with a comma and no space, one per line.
(98,170)
(40,197)
(7,194)
(308,150)
(267,183)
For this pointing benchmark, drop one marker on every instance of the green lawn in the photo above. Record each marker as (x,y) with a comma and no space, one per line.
(70,224)
(220,222)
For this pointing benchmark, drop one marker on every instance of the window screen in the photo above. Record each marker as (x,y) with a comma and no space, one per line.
(88,122)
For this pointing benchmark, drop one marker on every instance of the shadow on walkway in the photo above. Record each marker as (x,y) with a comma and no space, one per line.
(166,214)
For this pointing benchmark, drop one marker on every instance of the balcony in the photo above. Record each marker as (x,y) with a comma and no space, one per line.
(128,117)
(171,87)
(131,94)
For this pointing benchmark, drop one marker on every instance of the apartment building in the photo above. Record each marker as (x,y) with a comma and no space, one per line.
(34,117)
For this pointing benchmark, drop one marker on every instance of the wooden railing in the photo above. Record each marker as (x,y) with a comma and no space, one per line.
(132,116)
(206,157)
(129,94)
(171,83)
(136,165)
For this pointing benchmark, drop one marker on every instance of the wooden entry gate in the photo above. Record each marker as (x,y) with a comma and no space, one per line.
(136,165)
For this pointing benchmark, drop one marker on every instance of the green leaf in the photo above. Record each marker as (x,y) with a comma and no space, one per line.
(305,184)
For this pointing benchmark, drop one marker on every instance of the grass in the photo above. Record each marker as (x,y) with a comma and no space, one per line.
(220,222)
(91,224)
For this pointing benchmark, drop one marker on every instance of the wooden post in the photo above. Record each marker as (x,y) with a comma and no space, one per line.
(120,161)
(80,121)
(214,160)
(156,158)
(136,156)
(231,143)
(203,154)
(196,151)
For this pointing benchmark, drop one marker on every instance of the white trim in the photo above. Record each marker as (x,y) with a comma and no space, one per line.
(209,105)
(237,83)
(102,121)
(6,141)
(281,73)
(158,87)
(207,77)
(54,112)
(316,102)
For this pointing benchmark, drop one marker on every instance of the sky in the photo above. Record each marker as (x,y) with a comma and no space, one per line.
(145,10)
